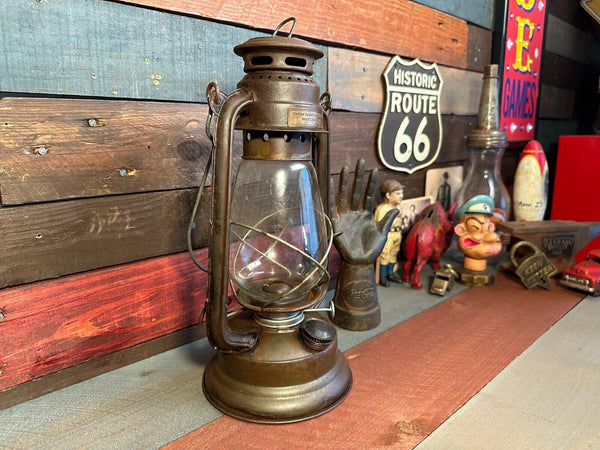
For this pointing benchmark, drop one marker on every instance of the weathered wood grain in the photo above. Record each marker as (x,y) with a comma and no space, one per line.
(566,73)
(569,41)
(479,51)
(142,146)
(417,374)
(48,240)
(127,408)
(395,27)
(114,50)
(80,372)
(545,398)
(480,12)
(573,13)
(556,103)
(55,324)
(354,136)
(52,149)
(356,84)
(571,87)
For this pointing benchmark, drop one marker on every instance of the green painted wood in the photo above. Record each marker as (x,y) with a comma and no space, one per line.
(567,40)
(114,50)
(556,103)
(548,132)
(479,12)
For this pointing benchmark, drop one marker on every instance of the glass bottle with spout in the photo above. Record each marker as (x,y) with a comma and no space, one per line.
(486,145)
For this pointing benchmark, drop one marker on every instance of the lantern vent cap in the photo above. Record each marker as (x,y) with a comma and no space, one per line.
(278,52)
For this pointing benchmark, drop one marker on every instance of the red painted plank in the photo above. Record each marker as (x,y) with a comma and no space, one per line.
(410,379)
(395,27)
(51,325)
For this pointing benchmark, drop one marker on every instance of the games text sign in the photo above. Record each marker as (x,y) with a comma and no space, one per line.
(521,67)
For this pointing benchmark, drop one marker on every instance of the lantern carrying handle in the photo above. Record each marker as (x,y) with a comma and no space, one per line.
(289,19)
(218,332)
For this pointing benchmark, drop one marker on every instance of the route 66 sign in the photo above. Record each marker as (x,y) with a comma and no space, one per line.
(410,133)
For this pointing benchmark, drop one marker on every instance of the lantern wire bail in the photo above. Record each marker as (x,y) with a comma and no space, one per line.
(215,99)
(289,19)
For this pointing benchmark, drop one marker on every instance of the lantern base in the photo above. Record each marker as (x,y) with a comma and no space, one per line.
(281,380)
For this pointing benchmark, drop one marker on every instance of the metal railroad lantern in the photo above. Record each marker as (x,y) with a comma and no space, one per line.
(277,358)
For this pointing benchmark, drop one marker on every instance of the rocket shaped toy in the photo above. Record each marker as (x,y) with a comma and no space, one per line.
(530,194)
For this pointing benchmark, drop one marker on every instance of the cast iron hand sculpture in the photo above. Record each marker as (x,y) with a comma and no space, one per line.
(358,240)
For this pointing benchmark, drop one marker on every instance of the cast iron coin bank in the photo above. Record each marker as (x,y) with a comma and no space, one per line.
(277,358)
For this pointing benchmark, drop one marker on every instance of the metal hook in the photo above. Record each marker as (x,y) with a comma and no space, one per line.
(213,98)
(289,19)
(325,102)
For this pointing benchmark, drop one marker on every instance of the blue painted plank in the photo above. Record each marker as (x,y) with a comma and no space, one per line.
(478,12)
(114,50)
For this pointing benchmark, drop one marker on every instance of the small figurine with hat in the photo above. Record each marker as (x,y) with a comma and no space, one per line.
(477,240)
(392,193)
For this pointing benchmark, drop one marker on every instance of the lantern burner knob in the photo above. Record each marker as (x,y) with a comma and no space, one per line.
(317,334)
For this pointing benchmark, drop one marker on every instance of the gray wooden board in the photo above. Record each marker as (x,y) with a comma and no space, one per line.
(155,401)
(479,12)
(108,49)
(546,398)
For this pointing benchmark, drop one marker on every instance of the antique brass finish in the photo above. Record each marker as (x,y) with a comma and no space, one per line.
(487,134)
(276,361)
(534,268)
(282,380)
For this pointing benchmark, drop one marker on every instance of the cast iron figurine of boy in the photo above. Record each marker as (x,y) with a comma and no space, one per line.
(477,240)
(392,193)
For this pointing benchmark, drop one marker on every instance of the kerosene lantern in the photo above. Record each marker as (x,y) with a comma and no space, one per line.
(277,358)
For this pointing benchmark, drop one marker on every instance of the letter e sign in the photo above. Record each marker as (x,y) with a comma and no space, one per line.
(410,132)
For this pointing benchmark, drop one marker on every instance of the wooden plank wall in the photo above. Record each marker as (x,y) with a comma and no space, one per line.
(570,92)
(102,147)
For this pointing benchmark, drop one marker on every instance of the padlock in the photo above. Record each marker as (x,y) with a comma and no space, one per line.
(535,269)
